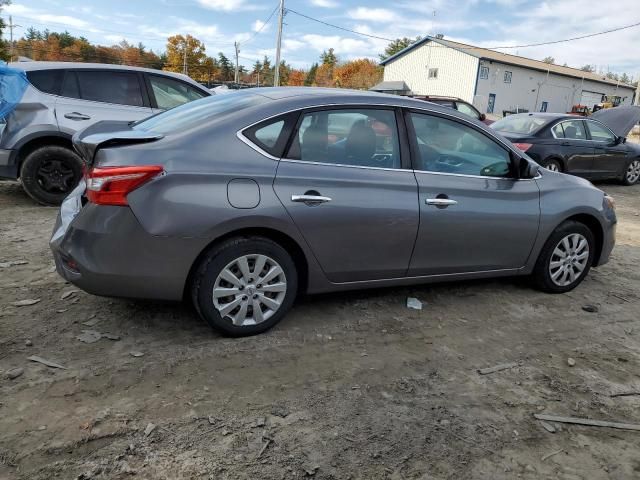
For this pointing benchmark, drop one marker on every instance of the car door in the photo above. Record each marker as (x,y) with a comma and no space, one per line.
(89,96)
(474,216)
(168,92)
(570,141)
(345,186)
(610,156)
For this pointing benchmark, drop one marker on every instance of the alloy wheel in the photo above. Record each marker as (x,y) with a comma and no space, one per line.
(553,167)
(569,259)
(55,176)
(249,290)
(633,172)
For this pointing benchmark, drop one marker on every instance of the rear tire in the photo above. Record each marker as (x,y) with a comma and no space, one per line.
(565,259)
(245,286)
(50,173)
(553,165)
(632,173)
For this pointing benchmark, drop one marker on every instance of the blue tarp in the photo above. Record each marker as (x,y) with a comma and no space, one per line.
(13,84)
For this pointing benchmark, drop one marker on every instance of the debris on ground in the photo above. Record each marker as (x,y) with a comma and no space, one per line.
(12,263)
(35,358)
(14,373)
(571,362)
(111,336)
(414,303)
(264,447)
(311,471)
(280,411)
(548,427)
(590,308)
(26,302)
(497,368)
(68,294)
(136,354)
(28,343)
(89,336)
(587,422)
(150,428)
(624,394)
(91,321)
(549,455)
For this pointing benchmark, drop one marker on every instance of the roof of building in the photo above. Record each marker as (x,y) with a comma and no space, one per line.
(390,86)
(485,53)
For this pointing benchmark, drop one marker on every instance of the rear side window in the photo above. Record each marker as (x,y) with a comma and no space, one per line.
(47,81)
(70,86)
(171,93)
(272,135)
(574,129)
(122,88)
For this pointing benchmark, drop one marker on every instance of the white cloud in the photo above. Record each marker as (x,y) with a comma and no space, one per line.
(373,14)
(324,3)
(259,26)
(44,18)
(228,5)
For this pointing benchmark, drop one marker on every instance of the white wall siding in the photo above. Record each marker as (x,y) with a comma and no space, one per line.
(457,71)
(529,88)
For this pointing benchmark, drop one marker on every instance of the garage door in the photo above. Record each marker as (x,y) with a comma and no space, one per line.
(590,98)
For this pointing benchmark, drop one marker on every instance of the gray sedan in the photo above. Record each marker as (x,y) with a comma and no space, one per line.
(241,202)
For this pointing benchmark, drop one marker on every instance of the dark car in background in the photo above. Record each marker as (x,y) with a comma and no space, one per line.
(64,97)
(594,148)
(456,104)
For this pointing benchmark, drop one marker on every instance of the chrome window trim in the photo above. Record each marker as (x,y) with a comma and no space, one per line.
(291,160)
(603,126)
(565,138)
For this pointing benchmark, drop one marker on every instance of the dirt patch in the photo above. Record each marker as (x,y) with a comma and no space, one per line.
(347,386)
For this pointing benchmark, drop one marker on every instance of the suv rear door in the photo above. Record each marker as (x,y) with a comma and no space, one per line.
(91,95)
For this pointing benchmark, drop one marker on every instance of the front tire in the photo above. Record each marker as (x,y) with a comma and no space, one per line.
(565,259)
(553,165)
(632,173)
(50,173)
(245,286)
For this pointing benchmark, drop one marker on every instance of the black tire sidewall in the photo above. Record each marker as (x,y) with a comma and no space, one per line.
(542,275)
(31,165)
(554,161)
(220,257)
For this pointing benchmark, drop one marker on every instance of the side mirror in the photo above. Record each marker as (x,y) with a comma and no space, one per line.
(527,169)
(483,117)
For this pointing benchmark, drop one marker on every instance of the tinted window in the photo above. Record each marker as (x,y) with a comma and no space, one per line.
(600,133)
(523,124)
(359,137)
(195,113)
(47,81)
(558,131)
(171,93)
(467,110)
(574,129)
(447,146)
(272,135)
(111,87)
(70,86)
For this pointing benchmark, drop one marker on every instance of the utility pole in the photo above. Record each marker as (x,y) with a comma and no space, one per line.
(184,64)
(237,75)
(11,27)
(276,76)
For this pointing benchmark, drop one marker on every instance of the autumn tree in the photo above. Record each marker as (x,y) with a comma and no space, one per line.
(181,50)
(296,78)
(359,74)
(396,45)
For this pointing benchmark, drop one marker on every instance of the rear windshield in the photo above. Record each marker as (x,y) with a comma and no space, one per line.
(520,124)
(197,112)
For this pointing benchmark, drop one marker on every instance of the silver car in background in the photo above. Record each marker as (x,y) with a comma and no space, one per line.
(241,202)
(64,97)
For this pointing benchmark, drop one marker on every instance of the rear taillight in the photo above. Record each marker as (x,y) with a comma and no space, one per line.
(523,146)
(111,185)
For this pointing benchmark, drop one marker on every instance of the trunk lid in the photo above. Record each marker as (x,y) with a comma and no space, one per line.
(619,119)
(109,134)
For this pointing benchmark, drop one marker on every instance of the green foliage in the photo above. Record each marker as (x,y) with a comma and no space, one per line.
(397,45)
(311,75)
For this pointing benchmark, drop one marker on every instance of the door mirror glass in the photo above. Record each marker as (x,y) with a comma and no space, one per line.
(446,146)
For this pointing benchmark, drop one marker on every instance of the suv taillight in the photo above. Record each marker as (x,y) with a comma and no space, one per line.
(111,185)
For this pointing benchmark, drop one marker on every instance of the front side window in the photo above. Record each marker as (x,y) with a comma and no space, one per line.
(484,73)
(447,146)
(574,129)
(507,76)
(122,88)
(357,137)
(433,73)
(467,110)
(171,93)
(600,133)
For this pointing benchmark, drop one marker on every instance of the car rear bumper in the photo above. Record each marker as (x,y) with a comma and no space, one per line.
(104,251)
(7,169)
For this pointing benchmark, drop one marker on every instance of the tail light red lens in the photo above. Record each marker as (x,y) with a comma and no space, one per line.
(111,185)
(523,146)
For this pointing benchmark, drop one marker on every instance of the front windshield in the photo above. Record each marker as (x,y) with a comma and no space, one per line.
(521,124)
(197,112)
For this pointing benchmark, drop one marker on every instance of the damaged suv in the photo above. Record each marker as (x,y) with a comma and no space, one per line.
(63,98)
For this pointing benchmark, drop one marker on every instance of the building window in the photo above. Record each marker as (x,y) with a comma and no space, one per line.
(507,77)
(433,73)
(484,73)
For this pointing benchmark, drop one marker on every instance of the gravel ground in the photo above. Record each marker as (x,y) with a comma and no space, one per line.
(347,386)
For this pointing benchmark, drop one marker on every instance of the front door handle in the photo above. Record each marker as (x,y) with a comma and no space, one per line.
(310,199)
(440,202)
(77,116)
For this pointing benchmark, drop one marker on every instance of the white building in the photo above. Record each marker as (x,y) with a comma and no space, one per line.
(494,81)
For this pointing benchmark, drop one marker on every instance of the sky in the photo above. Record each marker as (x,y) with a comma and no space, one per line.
(220,23)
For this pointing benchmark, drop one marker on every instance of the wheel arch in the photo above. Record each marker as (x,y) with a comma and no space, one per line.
(557,158)
(281,238)
(33,142)
(593,224)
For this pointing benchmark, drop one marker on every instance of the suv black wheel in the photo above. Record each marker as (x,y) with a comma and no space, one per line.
(245,286)
(565,258)
(49,173)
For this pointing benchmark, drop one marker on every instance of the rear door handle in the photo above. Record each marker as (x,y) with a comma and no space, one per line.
(440,202)
(77,116)
(310,198)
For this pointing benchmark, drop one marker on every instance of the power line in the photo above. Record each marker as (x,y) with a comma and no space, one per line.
(264,24)
(339,27)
